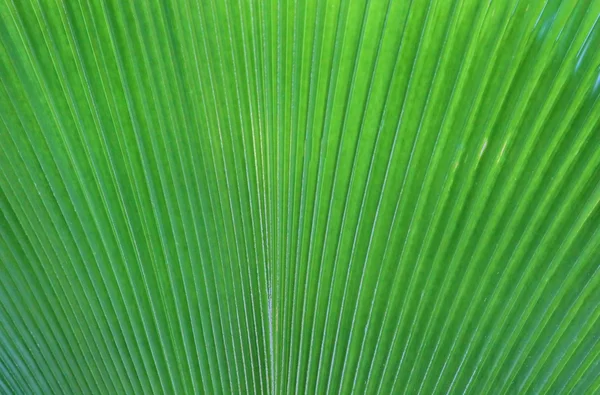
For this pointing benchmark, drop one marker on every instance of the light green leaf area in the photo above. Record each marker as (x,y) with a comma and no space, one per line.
(299,197)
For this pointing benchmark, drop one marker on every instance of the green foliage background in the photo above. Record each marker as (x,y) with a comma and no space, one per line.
(308,196)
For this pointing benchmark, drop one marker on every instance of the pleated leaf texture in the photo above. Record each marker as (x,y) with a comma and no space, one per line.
(299,197)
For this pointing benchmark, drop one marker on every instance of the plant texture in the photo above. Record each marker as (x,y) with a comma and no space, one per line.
(299,197)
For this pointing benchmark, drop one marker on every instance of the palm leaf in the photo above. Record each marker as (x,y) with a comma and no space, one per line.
(332,196)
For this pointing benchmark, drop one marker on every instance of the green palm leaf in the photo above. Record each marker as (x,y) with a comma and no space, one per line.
(309,196)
